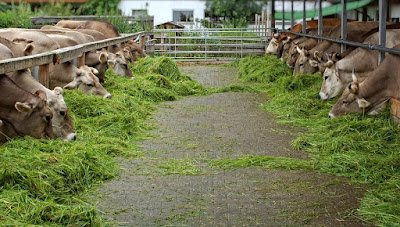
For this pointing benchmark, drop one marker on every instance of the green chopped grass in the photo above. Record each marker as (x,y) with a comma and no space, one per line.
(46,182)
(364,148)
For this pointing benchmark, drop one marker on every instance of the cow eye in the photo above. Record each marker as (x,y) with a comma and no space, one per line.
(326,77)
(89,85)
(345,102)
(293,55)
(301,65)
(133,51)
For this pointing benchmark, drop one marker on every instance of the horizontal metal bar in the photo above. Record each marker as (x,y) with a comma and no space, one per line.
(214,37)
(205,30)
(222,45)
(250,51)
(350,43)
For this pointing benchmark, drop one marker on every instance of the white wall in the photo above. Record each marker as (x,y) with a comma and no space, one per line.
(162,9)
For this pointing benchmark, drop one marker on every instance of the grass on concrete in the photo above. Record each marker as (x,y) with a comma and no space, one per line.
(364,148)
(46,182)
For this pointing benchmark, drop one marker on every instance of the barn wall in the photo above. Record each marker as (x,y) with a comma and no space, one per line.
(163,10)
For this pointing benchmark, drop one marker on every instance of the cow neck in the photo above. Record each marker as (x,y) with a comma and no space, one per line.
(11,93)
(380,83)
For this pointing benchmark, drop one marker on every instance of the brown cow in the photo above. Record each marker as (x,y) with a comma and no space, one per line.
(109,30)
(62,122)
(338,73)
(277,42)
(371,95)
(311,61)
(26,112)
(82,78)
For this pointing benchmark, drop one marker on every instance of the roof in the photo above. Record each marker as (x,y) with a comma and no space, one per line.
(169,24)
(45,1)
(330,10)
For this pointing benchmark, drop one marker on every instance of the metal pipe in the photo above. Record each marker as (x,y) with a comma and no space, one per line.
(350,43)
(291,15)
(344,24)
(320,18)
(382,28)
(283,14)
(304,17)
(272,14)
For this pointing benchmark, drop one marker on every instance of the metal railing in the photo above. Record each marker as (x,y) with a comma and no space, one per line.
(43,60)
(218,44)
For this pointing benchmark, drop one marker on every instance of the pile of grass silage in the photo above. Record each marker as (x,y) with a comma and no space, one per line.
(45,182)
(364,148)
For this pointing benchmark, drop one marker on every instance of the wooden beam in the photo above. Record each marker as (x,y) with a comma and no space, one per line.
(44,75)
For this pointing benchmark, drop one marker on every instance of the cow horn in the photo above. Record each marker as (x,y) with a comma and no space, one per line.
(301,51)
(328,64)
(353,75)
(137,39)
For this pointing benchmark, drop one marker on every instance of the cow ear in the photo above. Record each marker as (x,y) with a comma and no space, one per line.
(276,35)
(313,63)
(73,84)
(111,63)
(29,49)
(317,56)
(328,64)
(94,71)
(353,87)
(103,57)
(42,94)
(362,103)
(23,107)
(58,90)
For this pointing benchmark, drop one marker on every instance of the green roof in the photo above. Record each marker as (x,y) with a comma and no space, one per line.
(330,10)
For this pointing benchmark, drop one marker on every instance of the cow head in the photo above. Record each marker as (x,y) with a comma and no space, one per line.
(292,56)
(273,45)
(119,64)
(133,51)
(35,117)
(332,85)
(86,81)
(353,101)
(285,48)
(62,123)
(304,63)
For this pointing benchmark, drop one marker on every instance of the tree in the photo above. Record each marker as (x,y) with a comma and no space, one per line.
(98,7)
(234,10)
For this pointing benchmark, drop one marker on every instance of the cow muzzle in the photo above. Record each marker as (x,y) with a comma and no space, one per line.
(331,115)
(70,137)
(323,96)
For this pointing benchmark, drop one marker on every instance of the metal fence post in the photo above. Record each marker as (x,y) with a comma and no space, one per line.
(283,14)
(291,15)
(382,27)
(344,24)
(304,17)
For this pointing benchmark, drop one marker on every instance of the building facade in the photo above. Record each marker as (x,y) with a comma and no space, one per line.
(180,11)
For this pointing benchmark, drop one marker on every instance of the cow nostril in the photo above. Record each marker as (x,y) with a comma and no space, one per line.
(108,96)
(62,113)
(74,138)
(329,116)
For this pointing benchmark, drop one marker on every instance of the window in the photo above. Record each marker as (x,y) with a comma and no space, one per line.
(139,12)
(183,15)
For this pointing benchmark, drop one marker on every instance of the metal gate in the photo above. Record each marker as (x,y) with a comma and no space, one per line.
(218,44)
